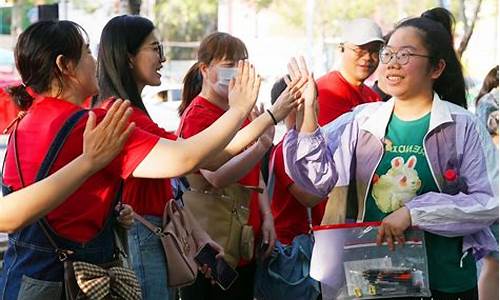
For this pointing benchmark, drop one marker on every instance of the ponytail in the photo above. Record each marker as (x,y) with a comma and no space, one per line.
(442,16)
(20,96)
(191,87)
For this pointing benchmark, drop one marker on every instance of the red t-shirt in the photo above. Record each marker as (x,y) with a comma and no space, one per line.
(147,196)
(8,110)
(336,96)
(199,115)
(83,214)
(290,217)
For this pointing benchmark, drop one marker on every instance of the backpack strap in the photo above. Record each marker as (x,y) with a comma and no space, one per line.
(46,165)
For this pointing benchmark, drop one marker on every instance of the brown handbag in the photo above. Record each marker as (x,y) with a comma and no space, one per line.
(178,244)
(223,214)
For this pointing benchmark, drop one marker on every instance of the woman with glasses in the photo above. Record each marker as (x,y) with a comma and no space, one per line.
(130,57)
(126,64)
(420,159)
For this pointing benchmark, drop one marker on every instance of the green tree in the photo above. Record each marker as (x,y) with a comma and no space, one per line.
(184,21)
(86,5)
(468,25)
(329,15)
(20,9)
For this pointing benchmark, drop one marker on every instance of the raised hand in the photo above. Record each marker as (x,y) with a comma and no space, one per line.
(105,141)
(288,100)
(307,119)
(300,74)
(244,88)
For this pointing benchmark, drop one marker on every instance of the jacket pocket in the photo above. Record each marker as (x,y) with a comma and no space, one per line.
(39,289)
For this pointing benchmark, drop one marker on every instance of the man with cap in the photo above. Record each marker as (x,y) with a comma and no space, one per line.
(339,91)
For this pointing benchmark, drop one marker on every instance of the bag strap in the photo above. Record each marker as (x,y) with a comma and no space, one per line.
(271,182)
(57,144)
(16,156)
(157,230)
(46,165)
(11,137)
(170,207)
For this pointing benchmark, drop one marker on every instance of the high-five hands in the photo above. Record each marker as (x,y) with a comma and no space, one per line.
(244,88)
(305,87)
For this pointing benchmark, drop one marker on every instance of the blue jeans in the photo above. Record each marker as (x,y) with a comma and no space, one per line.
(148,261)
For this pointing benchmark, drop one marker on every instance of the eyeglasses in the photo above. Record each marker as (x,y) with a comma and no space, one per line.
(161,52)
(362,51)
(402,56)
(158,47)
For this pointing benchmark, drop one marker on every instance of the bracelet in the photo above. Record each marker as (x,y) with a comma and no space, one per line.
(272,117)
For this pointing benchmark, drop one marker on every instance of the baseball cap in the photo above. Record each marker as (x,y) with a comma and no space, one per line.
(361,31)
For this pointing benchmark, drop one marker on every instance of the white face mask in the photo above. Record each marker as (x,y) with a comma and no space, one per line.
(224,76)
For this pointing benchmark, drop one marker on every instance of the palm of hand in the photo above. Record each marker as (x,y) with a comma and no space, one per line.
(310,92)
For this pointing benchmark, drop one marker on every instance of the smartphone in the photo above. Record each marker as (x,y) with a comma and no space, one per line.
(223,274)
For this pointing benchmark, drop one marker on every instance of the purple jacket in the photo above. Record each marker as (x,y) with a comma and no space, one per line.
(339,160)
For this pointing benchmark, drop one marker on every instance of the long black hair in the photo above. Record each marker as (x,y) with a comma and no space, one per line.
(36,51)
(122,36)
(435,27)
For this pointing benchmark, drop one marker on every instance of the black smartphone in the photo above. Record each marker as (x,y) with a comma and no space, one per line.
(223,274)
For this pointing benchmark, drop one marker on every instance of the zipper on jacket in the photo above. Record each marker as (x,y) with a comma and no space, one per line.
(462,259)
(370,181)
(429,163)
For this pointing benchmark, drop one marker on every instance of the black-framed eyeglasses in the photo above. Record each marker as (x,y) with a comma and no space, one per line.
(402,56)
(161,52)
(158,48)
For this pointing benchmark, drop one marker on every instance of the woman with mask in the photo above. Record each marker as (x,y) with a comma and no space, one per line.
(204,100)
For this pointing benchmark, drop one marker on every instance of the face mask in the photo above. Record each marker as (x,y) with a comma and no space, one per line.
(224,75)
